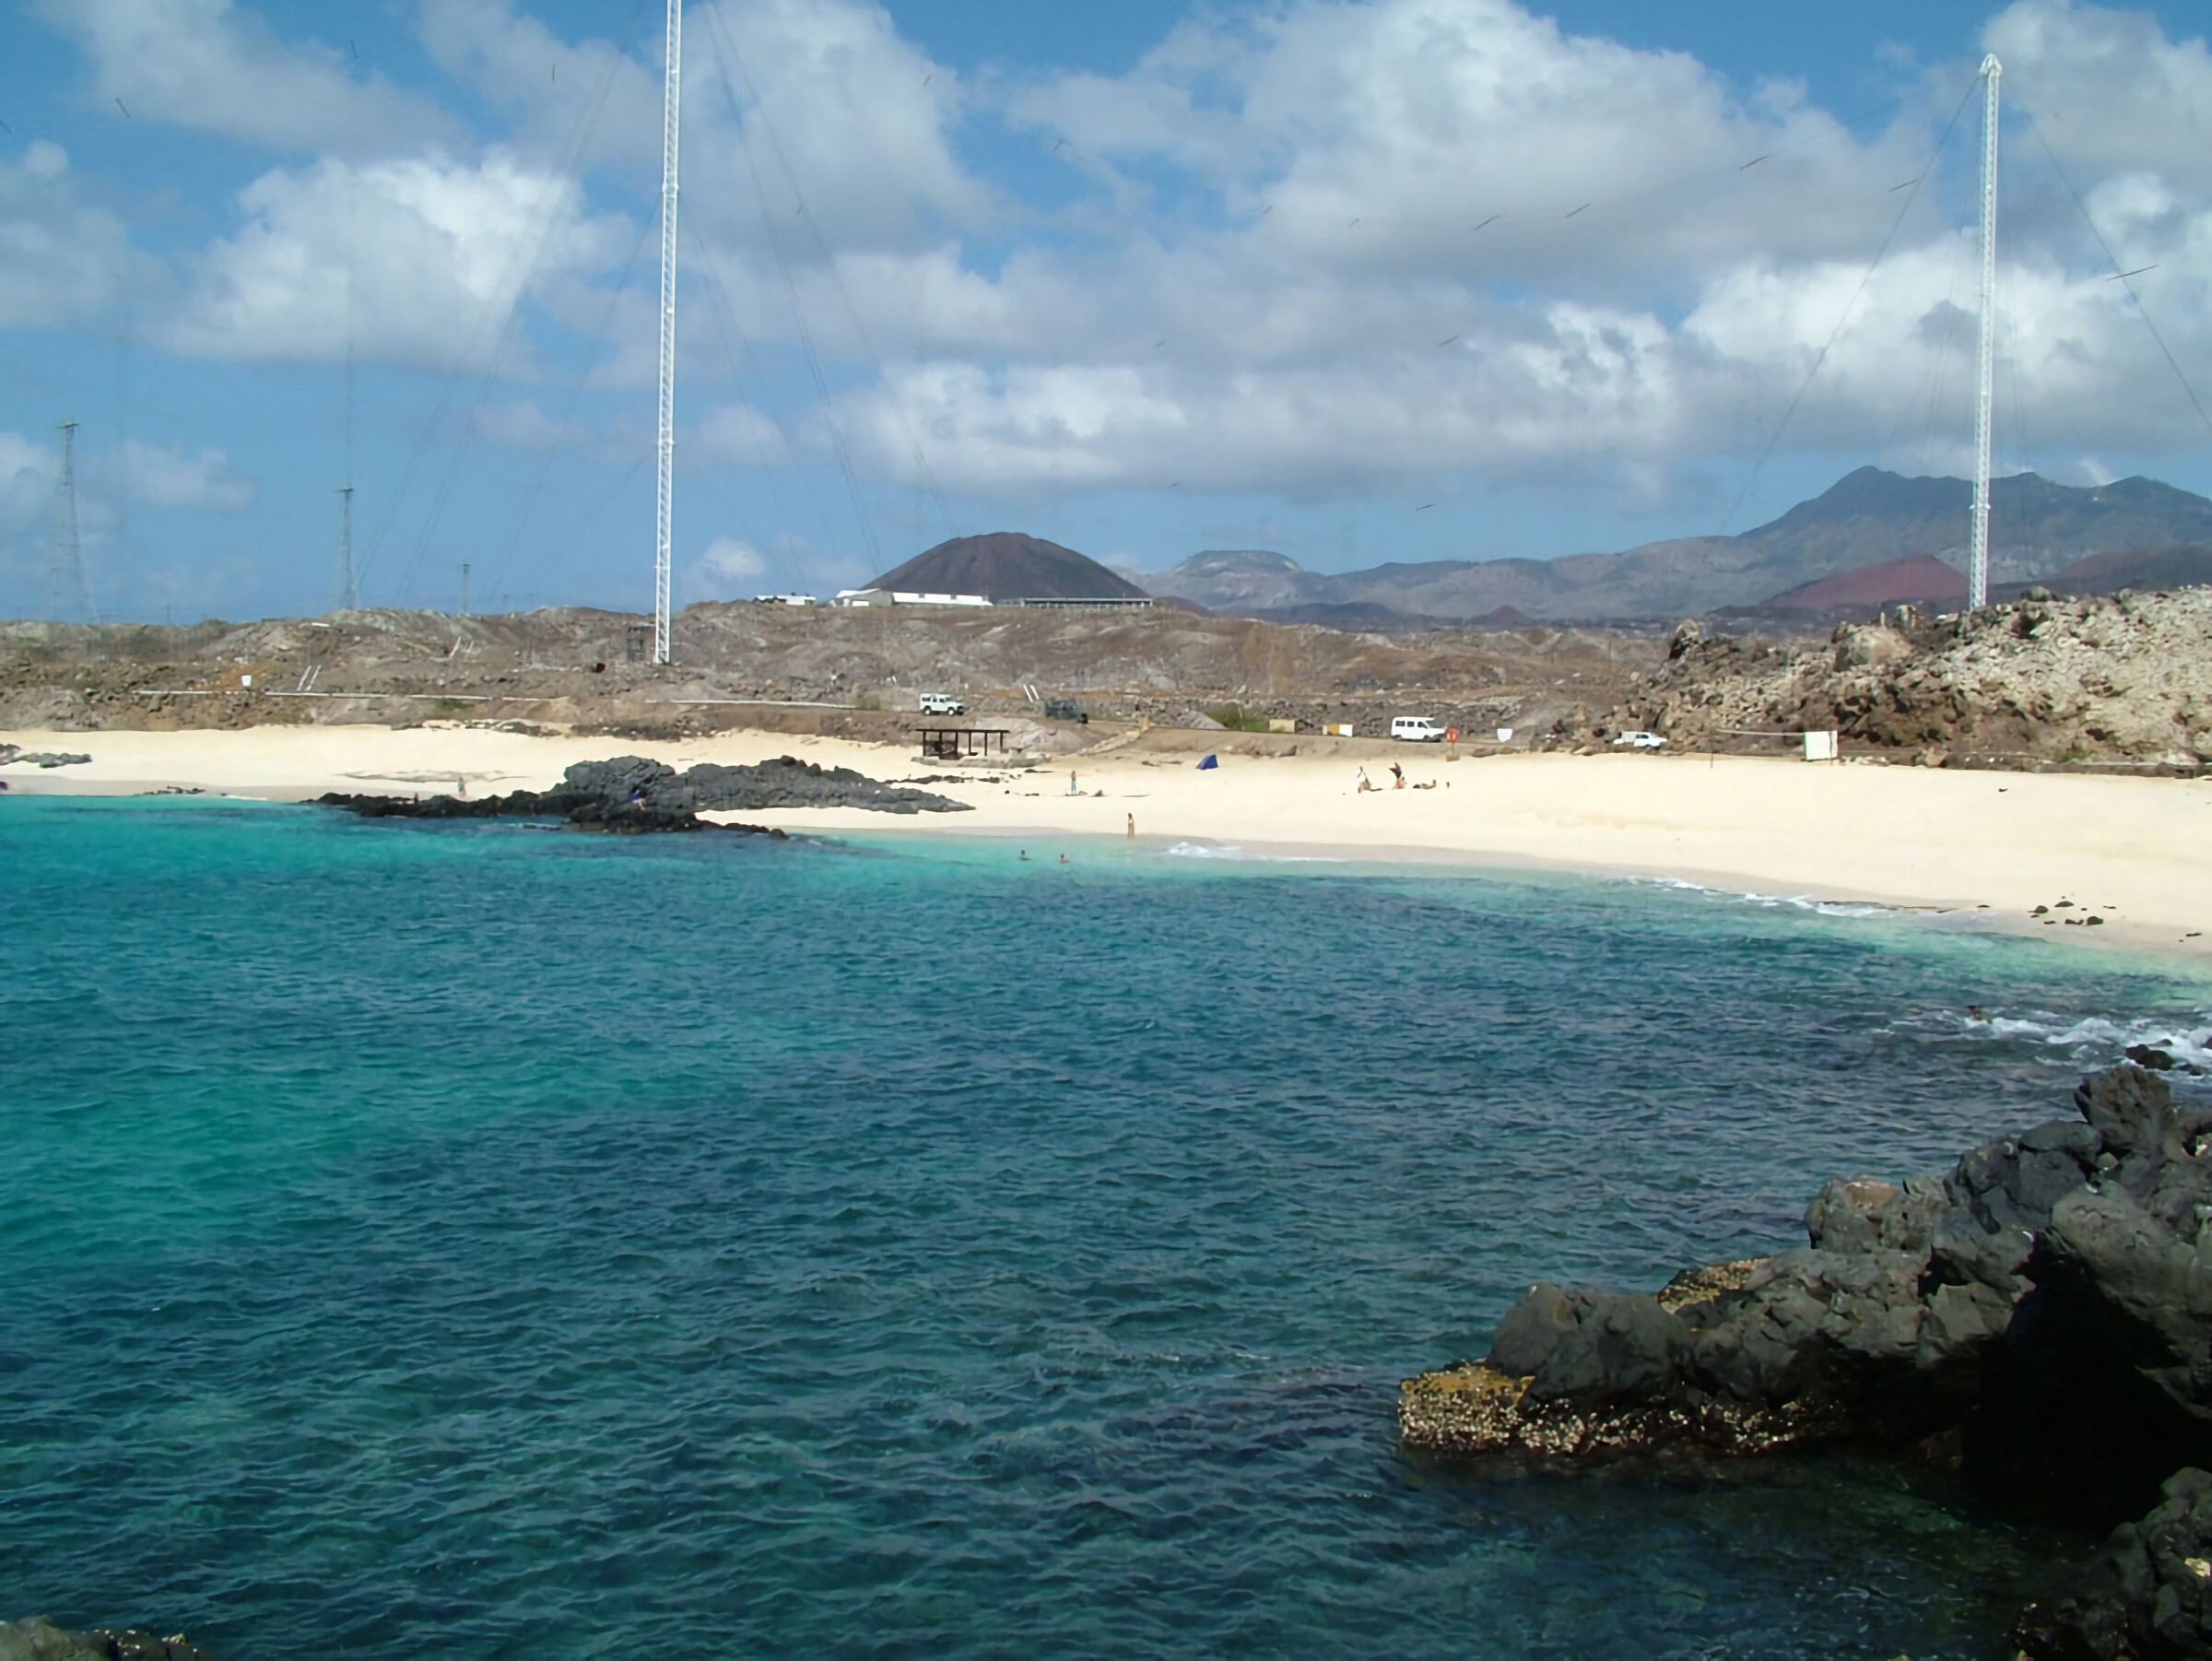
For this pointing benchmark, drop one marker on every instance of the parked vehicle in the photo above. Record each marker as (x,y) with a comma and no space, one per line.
(1640,740)
(1066,709)
(1416,729)
(942,703)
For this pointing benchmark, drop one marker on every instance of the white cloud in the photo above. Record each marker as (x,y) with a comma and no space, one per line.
(522,425)
(589,98)
(421,260)
(207,64)
(27,471)
(843,118)
(1335,313)
(165,477)
(736,434)
(2110,91)
(729,570)
(59,259)
(1318,244)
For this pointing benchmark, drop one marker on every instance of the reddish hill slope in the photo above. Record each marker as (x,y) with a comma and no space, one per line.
(1923,577)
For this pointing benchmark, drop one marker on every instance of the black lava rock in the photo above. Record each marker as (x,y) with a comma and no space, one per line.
(2147,1594)
(632,796)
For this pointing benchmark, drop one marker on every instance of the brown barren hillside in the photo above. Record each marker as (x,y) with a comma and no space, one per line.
(809,669)
(1923,577)
(2043,679)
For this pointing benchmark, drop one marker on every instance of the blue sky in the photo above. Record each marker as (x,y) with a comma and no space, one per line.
(1357,280)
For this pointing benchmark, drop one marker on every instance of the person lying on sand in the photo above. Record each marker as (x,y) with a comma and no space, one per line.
(1365,783)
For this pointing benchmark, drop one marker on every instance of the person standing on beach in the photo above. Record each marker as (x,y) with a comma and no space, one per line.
(1071,783)
(1133,827)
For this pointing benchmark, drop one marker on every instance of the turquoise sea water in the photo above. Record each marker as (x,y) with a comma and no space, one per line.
(475,1241)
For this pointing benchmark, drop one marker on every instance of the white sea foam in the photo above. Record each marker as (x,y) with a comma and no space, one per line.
(1230,851)
(2088,1039)
(1804,903)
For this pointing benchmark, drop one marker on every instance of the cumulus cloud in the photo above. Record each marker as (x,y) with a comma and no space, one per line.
(736,434)
(27,470)
(850,125)
(163,476)
(421,260)
(60,260)
(1315,245)
(728,570)
(1444,237)
(522,425)
(588,98)
(207,64)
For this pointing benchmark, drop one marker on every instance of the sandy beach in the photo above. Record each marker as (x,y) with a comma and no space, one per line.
(2136,851)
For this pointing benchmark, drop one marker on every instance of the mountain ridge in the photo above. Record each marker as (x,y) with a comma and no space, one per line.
(1869,517)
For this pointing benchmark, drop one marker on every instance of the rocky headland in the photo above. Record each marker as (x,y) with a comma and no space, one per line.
(2038,681)
(634,795)
(2038,1319)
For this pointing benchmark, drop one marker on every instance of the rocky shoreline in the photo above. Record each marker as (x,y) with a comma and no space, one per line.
(632,796)
(39,1639)
(2038,1319)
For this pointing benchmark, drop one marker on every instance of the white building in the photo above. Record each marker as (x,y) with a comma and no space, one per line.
(901,596)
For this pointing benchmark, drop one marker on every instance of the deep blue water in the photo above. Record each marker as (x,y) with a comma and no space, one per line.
(475,1241)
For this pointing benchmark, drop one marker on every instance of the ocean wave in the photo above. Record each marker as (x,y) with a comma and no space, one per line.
(1804,903)
(2084,1039)
(1230,851)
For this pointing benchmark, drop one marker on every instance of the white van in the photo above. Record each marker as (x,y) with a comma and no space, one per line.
(1416,729)
(942,703)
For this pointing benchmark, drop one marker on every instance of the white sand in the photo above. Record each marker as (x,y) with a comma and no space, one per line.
(2136,851)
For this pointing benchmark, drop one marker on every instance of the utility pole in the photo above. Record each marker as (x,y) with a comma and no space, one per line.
(349,597)
(68,551)
(662,530)
(1977,553)
(464,588)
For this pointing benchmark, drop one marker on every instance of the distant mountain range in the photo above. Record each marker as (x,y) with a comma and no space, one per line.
(1869,519)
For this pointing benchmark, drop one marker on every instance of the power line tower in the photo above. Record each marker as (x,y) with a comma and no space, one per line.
(1977,550)
(69,572)
(348,594)
(670,94)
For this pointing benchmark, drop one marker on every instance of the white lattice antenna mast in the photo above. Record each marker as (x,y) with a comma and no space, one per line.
(68,551)
(349,592)
(664,528)
(1977,552)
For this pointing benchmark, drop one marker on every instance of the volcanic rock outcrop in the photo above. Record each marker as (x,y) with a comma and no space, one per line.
(39,1639)
(2041,1317)
(2040,679)
(632,795)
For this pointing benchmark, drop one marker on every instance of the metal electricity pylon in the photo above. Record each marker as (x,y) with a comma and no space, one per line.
(69,550)
(348,594)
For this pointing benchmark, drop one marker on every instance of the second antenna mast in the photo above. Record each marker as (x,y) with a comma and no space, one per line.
(665,524)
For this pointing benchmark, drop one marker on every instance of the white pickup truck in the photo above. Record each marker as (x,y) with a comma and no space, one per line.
(942,703)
